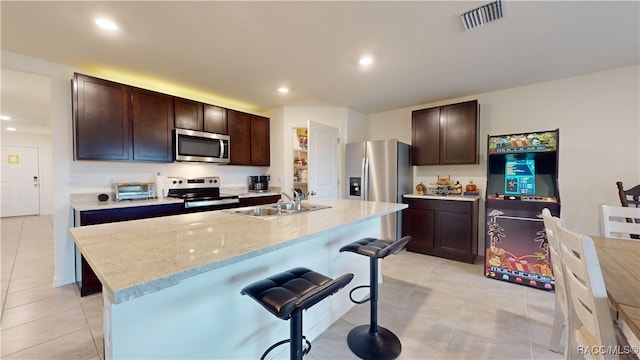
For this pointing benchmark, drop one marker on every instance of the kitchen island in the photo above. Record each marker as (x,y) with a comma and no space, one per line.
(171,285)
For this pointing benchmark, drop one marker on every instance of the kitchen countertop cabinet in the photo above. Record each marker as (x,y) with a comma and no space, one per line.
(259,200)
(444,228)
(445,135)
(249,143)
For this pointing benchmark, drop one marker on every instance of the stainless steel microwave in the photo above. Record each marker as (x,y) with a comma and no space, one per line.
(198,146)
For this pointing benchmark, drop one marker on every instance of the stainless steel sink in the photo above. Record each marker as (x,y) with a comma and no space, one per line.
(289,208)
(271,210)
(257,211)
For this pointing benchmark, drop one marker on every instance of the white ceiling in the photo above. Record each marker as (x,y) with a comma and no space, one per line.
(242,51)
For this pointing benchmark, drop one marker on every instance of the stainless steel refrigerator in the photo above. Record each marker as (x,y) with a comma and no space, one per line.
(379,171)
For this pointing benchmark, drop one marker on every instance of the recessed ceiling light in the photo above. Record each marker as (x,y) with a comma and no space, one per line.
(366,60)
(106,24)
(11,129)
(5,117)
(283,89)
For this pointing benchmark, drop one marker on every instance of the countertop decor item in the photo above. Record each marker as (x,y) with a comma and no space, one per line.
(421,189)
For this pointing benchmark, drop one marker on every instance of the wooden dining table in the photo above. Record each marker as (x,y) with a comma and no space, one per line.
(620,264)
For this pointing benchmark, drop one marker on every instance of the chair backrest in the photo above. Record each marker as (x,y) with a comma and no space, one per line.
(556,260)
(590,319)
(630,197)
(621,222)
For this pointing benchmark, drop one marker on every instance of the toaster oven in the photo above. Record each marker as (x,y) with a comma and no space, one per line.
(135,191)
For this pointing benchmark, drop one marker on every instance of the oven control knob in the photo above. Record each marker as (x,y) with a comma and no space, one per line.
(175,182)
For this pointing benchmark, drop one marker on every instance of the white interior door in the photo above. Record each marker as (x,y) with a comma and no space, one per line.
(20,181)
(323,161)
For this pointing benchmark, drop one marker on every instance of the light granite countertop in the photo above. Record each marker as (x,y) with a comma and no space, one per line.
(443,197)
(139,257)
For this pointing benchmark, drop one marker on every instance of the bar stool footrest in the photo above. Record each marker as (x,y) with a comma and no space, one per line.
(368,298)
(382,345)
(305,351)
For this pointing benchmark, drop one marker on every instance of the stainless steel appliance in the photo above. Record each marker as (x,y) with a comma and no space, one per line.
(198,192)
(199,146)
(134,191)
(259,183)
(379,171)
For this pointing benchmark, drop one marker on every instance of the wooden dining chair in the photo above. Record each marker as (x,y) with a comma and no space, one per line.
(590,321)
(620,222)
(560,317)
(630,197)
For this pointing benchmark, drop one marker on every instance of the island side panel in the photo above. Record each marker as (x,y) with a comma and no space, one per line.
(206,317)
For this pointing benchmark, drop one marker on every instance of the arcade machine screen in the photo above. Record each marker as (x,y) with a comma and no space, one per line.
(520,177)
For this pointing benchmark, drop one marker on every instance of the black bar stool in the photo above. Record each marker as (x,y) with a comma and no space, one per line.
(286,294)
(373,341)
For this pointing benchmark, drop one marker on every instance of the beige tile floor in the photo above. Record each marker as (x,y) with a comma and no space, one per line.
(439,309)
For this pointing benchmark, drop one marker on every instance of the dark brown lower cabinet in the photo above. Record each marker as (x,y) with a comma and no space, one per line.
(444,228)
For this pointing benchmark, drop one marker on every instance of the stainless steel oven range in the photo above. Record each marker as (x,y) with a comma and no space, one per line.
(199,192)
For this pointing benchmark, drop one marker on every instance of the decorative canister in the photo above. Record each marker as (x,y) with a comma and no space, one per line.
(421,189)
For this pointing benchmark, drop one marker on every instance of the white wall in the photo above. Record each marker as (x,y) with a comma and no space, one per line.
(599,120)
(42,142)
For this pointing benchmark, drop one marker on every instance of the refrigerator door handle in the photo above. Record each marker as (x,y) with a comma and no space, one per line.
(365,179)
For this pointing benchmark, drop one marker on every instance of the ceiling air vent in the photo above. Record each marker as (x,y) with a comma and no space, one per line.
(482,15)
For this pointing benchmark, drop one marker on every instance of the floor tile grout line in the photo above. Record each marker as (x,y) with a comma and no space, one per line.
(459,314)
(13,264)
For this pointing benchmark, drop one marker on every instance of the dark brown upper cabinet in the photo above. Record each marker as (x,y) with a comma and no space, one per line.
(445,135)
(114,121)
(260,153)
(118,122)
(188,114)
(152,115)
(101,119)
(215,119)
(195,115)
(249,139)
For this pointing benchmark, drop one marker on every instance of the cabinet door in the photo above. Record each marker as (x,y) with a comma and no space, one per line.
(260,155)
(259,200)
(459,133)
(152,124)
(188,114)
(215,119)
(240,138)
(419,225)
(425,136)
(101,119)
(453,234)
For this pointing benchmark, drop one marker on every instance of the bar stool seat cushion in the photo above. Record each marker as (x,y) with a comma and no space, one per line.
(376,248)
(296,289)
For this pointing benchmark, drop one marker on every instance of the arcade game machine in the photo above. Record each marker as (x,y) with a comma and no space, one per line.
(522,179)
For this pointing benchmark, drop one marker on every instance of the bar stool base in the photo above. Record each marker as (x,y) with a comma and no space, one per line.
(381,346)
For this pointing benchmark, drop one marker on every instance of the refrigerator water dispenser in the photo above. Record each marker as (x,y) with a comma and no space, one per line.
(354,186)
